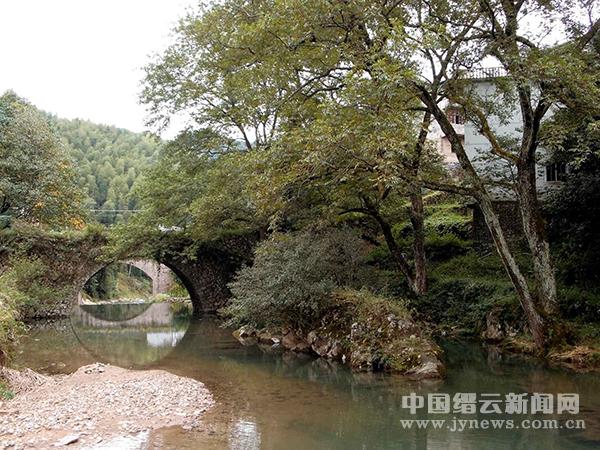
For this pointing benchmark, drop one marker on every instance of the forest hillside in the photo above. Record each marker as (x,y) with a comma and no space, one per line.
(108,161)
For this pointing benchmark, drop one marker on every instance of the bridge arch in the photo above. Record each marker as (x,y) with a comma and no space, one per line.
(160,275)
(205,274)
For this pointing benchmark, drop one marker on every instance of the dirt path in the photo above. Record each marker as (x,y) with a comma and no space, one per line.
(101,406)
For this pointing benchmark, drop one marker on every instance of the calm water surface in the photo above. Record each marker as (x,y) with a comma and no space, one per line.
(270,400)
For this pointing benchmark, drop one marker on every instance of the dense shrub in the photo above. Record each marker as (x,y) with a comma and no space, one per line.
(10,326)
(294,275)
(462,304)
(443,246)
(464,289)
(449,219)
(579,304)
(30,277)
(573,215)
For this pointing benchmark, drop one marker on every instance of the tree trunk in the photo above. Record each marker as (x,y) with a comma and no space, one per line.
(396,252)
(417,219)
(417,215)
(533,228)
(536,322)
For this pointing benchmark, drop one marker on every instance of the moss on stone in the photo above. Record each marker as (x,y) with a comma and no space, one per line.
(382,334)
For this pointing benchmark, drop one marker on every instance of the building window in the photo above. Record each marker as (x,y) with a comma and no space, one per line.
(556,172)
(456,117)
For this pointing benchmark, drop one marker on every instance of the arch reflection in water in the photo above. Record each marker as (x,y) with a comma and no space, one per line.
(109,313)
(244,434)
(130,335)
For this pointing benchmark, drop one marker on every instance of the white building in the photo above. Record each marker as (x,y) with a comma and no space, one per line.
(508,128)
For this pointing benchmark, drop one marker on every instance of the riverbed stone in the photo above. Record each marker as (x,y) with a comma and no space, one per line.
(325,345)
(371,335)
(294,341)
(430,367)
(267,337)
(72,410)
(246,335)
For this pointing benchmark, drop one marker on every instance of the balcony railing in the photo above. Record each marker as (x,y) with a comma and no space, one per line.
(483,73)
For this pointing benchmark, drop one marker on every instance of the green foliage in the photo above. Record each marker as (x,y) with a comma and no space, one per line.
(580,304)
(447,233)
(5,392)
(476,265)
(573,214)
(118,281)
(199,188)
(443,246)
(30,277)
(103,284)
(178,289)
(573,210)
(109,162)
(464,289)
(10,325)
(448,218)
(311,157)
(463,304)
(293,276)
(573,133)
(37,179)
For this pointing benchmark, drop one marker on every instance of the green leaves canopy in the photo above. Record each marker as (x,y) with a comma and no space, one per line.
(37,180)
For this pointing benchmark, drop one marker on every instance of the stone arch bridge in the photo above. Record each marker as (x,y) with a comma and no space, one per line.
(205,269)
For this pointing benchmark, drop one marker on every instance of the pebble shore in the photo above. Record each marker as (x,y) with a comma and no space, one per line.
(99,405)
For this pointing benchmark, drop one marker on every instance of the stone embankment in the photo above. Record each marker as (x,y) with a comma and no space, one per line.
(98,406)
(390,344)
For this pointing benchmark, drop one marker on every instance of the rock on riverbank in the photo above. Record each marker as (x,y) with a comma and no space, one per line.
(365,332)
(99,404)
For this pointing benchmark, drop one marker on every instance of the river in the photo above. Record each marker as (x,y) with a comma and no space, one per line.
(270,400)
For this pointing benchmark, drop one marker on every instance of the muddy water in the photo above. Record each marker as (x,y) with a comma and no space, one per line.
(271,400)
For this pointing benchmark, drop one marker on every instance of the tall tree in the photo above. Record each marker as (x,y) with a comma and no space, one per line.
(457,38)
(238,60)
(37,180)
(360,155)
(255,69)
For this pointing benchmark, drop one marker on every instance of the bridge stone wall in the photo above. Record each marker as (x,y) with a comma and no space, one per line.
(68,260)
(161,275)
(207,274)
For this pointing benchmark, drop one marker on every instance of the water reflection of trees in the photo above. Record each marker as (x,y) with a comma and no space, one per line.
(111,313)
(132,315)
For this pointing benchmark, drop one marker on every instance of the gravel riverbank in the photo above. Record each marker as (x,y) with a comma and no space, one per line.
(99,406)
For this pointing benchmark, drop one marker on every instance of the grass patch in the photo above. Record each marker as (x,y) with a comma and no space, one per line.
(5,392)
